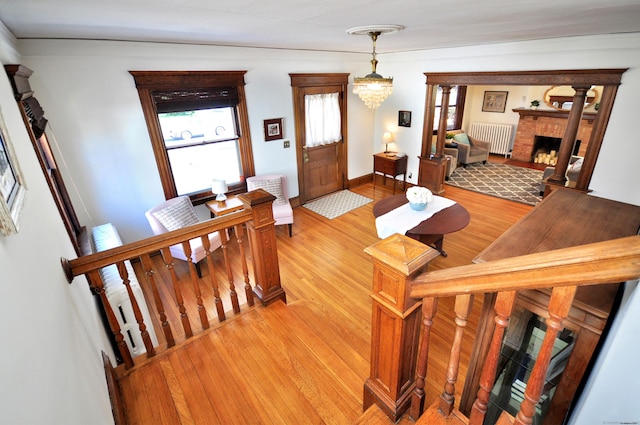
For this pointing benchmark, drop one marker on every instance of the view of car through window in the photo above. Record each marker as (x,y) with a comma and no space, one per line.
(201,145)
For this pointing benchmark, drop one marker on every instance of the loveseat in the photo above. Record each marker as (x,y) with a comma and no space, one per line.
(469,149)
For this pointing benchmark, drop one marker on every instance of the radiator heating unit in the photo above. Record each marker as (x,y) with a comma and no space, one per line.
(105,237)
(499,135)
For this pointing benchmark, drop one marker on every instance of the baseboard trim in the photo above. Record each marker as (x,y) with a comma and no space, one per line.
(115,396)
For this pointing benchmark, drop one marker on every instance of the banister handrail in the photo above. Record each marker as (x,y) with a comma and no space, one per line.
(612,261)
(255,220)
(86,263)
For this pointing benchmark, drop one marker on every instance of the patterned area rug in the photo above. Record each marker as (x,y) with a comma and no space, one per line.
(504,181)
(336,204)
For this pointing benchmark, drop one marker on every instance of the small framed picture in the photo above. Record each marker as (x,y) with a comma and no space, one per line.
(273,129)
(494,101)
(404,118)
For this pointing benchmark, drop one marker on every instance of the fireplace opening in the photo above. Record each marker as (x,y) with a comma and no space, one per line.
(545,148)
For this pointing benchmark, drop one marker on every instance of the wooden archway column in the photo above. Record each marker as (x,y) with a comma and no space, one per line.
(569,137)
(433,168)
(608,78)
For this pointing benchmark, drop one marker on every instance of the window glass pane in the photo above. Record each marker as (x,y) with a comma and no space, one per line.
(201,145)
(192,127)
(436,118)
(453,100)
(194,166)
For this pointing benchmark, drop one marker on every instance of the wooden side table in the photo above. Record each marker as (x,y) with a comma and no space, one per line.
(218,209)
(390,166)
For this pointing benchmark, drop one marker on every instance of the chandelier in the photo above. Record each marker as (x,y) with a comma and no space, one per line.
(373,88)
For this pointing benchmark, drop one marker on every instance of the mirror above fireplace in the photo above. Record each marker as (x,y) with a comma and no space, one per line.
(561,97)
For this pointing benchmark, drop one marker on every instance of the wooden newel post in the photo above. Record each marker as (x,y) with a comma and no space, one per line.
(395,322)
(262,240)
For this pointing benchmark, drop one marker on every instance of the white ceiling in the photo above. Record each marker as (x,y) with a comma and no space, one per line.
(319,24)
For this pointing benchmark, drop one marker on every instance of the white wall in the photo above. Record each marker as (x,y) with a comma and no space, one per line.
(92,105)
(50,363)
(101,131)
(610,396)
(104,143)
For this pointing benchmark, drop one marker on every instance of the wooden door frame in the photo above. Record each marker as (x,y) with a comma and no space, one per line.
(300,82)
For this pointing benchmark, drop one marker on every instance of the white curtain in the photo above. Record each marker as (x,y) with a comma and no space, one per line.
(322,119)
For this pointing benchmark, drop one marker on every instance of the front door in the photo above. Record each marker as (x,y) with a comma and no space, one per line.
(321,169)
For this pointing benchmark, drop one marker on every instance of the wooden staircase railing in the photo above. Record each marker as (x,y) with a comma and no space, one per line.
(399,263)
(257,217)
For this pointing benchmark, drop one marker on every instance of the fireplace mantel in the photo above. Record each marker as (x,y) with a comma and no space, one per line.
(552,113)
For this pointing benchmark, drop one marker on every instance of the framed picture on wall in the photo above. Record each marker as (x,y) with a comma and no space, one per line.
(494,101)
(273,129)
(12,188)
(404,118)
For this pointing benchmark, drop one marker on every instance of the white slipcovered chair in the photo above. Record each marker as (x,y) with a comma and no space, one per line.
(275,184)
(177,213)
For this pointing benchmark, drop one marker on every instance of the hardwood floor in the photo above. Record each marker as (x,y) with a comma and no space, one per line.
(305,362)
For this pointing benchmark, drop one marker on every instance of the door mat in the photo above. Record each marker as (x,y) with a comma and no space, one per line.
(503,181)
(337,204)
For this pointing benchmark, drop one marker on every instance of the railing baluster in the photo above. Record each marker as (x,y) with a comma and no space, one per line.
(257,216)
(248,290)
(213,280)
(193,273)
(559,306)
(98,285)
(124,275)
(232,289)
(168,262)
(429,309)
(147,266)
(503,307)
(463,305)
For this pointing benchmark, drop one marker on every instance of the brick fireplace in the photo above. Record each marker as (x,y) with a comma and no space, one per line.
(547,123)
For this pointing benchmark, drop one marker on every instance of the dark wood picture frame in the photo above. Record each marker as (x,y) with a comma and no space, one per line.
(12,186)
(273,129)
(404,118)
(494,101)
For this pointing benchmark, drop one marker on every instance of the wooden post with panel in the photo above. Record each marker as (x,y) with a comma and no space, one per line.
(395,322)
(262,239)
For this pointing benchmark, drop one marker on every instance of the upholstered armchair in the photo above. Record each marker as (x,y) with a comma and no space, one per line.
(275,184)
(175,214)
(452,156)
(572,174)
(470,150)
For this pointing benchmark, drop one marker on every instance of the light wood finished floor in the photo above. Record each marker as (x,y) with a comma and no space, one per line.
(306,362)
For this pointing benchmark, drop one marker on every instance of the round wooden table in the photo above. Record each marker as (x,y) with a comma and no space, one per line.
(432,230)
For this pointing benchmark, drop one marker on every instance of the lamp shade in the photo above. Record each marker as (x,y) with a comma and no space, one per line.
(388,139)
(219,187)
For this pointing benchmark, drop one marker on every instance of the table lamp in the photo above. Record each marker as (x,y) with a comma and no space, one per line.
(388,139)
(219,187)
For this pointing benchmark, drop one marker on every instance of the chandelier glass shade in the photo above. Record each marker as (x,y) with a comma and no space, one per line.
(373,88)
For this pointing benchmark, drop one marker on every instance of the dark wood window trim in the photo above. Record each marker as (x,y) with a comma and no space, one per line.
(148,81)
(460,102)
(36,124)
